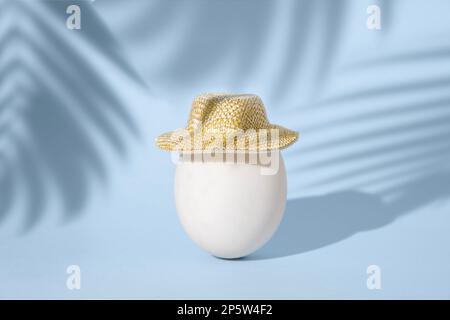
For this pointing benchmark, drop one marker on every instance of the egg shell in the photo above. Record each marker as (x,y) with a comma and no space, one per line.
(230,209)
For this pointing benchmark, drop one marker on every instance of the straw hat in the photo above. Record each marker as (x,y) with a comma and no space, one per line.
(223,121)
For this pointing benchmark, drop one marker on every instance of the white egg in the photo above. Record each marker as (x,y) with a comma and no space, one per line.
(230,209)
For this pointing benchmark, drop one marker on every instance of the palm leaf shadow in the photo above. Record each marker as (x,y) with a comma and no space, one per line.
(423,126)
(412,172)
(302,28)
(46,140)
(240,34)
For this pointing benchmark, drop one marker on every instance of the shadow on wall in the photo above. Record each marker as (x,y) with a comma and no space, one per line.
(53,101)
(315,222)
(63,96)
(52,98)
(238,35)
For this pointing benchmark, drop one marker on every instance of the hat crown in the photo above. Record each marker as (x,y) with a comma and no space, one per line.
(222,112)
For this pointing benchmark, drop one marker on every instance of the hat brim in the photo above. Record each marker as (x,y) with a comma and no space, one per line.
(175,141)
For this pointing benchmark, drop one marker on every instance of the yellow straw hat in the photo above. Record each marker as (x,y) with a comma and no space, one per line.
(224,121)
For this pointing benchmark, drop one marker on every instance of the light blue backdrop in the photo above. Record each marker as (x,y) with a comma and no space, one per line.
(81,181)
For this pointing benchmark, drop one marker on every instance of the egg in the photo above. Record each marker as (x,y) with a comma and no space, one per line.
(230,209)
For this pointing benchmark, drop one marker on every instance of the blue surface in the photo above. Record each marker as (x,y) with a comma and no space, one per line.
(81,181)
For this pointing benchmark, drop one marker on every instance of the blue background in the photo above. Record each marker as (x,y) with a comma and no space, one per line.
(81,181)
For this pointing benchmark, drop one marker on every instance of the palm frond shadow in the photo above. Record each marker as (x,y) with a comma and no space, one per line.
(301,29)
(402,153)
(242,35)
(442,53)
(99,37)
(65,103)
(220,30)
(419,135)
(406,87)
(387,11)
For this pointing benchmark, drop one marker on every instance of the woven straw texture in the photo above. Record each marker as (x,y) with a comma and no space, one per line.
(228,122)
